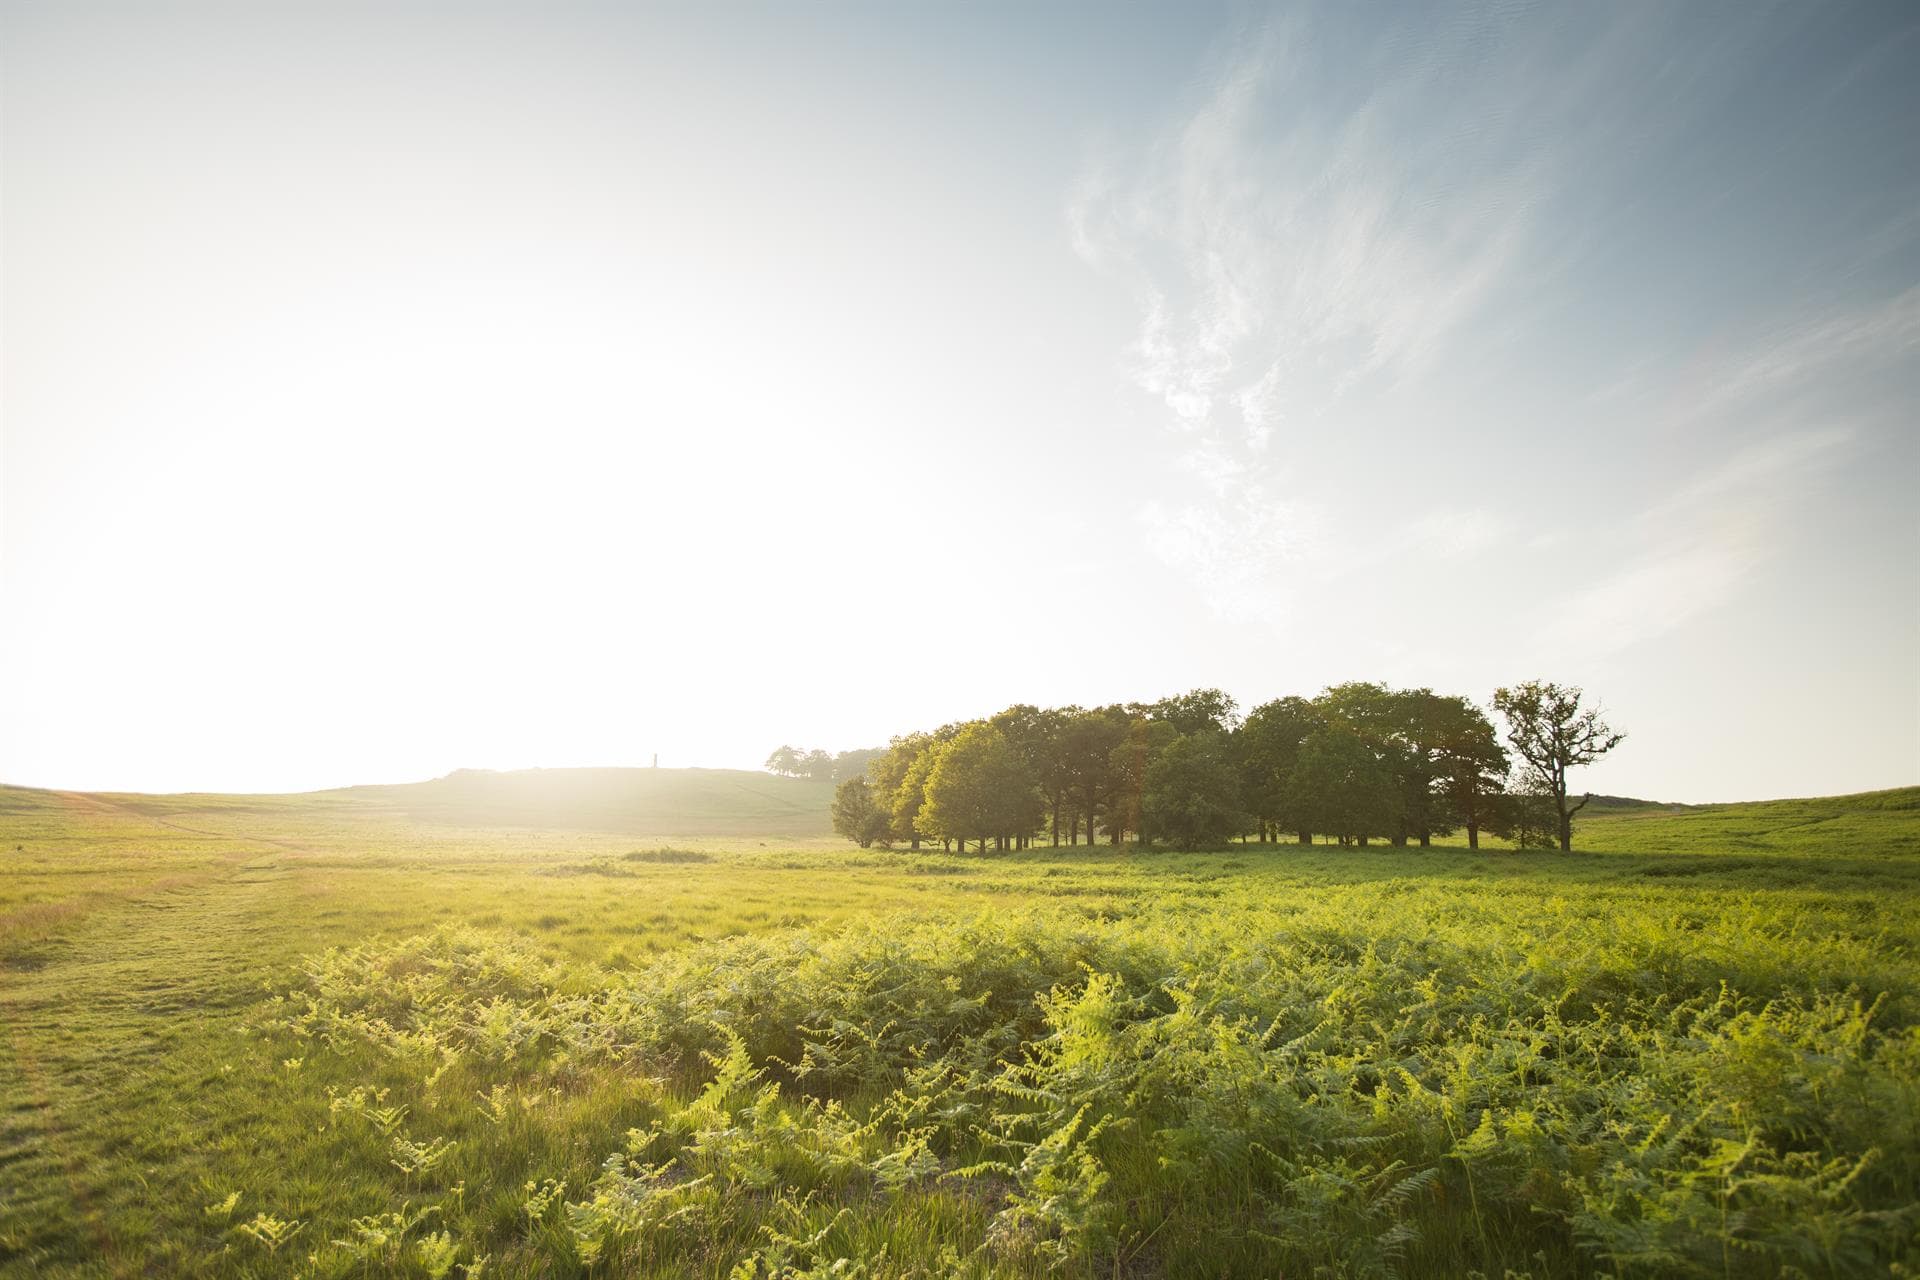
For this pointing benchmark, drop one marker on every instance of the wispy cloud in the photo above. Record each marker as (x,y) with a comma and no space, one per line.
(1696,548)
(1799,350)
(1692,551)
(1294,252)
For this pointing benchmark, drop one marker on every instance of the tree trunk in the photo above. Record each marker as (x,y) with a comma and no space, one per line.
(1426,839)
(1056,821)
(1559,782)
(1304,837)
(1473,835)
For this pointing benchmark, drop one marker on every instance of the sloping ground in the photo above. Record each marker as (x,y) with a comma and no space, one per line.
(666,802)
(1872,823)
(650,802)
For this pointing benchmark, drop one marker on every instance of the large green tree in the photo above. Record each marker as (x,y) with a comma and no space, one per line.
(1192,793)
(1421,718)
(1472,765)
(1269,743)
(1087,743)
(978,789)
(887,775)
(1339,787)
(1376,716)
(1128,765)
(1037,735)
(1548,728)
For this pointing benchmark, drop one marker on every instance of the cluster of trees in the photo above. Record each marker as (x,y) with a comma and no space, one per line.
(822,766)
(1361,762)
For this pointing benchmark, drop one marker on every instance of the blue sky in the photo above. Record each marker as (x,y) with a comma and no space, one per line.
(391,390)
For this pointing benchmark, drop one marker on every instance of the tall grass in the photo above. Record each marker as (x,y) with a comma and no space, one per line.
(314,1046)
(1354,1087)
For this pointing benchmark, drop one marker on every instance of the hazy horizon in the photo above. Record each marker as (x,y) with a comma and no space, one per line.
(1575,791)
(390,391)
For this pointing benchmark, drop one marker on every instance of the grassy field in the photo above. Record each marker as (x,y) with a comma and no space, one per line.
(510,1027)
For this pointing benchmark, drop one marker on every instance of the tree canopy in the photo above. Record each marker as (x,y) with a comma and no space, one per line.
(1549,730)
(1359,763)
(978,788)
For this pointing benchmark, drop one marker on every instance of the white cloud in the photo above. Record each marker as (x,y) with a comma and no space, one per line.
(1693,551)
(1290,261)
(1799,350)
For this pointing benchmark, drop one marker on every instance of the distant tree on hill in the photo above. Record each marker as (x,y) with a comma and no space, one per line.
(821,766)
(857,817)
(853,764)
(1550,732)
(1192,793)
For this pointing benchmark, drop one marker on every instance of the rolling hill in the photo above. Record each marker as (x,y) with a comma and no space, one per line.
(638,802)
(624,801)
(681,802)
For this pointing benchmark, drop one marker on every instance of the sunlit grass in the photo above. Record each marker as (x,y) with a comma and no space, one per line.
(268,1040)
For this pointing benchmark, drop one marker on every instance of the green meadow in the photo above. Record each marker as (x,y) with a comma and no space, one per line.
(666,1026)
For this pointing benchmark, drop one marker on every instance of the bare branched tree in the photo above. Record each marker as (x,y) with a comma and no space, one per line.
(1551,733)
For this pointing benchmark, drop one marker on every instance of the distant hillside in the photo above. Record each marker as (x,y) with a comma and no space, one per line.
(667,802)
(1627,802)
(1869,823)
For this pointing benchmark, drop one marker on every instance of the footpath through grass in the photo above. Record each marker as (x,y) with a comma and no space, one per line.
(256,1037)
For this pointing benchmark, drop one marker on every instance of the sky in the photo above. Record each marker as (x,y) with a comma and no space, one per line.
(392,389)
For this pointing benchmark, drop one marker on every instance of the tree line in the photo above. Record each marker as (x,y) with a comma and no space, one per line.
(1359,763)
(822,766)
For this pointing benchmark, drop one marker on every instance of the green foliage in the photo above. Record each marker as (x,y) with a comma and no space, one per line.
(1696,1056)
(857,817)
(1192,793)
(978,788)
(1552,733)
(1339,787)
(1270,741)
(1197,711)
